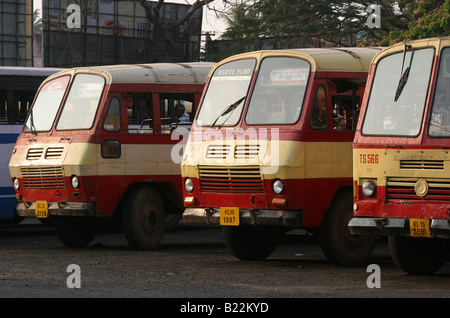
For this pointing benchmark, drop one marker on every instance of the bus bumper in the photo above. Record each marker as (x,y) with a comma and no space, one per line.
(395,226)
(58,208)
(291,218)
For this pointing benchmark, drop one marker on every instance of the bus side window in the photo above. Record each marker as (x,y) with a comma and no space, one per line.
(140,113)
(345,101)
(318,118)
(177,110)
(113,119)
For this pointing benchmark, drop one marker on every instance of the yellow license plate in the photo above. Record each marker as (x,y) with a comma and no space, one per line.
(419,227)
(229,216)
(41,209)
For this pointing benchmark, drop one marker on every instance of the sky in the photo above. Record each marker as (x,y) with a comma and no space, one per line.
(215,26)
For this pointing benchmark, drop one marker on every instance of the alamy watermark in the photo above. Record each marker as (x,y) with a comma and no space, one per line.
(234,146)
(73,21)
(74,279)
(374,18)
(374,279)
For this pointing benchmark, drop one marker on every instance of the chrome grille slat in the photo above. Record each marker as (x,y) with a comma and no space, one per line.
(49,153)
(241,179)
(422,164)
(34,153)
(403,189)
(218,151)
(53,152)
(246,151)
(43,177)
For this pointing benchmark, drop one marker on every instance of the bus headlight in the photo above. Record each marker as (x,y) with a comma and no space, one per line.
(75,182)
(278,186)
(368,188)
(16,184)
(188,185)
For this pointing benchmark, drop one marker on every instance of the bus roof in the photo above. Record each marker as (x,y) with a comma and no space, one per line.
(336,59)
(436,42)
(161,73)
(28,71)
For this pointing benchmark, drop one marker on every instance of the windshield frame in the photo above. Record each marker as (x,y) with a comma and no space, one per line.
(31,115)
(426,91)
(229,104)
(68,96)
(254,87)
(433,102)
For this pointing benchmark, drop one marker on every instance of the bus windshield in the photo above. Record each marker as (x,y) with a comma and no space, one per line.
(47,103)
(82,102)
(225,95)
(399,90)
(279,91)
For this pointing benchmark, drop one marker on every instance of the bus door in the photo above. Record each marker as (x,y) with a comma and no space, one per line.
(332,123)
(111,159)
(317,154)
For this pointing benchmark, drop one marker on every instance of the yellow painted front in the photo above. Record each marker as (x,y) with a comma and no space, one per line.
(278,159)
(407,164)
(84,159)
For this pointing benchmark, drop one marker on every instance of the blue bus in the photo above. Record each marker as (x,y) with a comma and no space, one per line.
(18,86)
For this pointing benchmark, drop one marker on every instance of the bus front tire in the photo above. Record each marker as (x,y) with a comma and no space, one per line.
(418,256)
(75,231)
(338,244)
(250,242)
(143,219)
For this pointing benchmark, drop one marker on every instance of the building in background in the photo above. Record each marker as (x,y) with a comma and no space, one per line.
(109,32)
(16,32)
(115,32)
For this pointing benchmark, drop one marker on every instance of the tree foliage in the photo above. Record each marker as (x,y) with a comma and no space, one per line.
(429,18)
(336,20)
(280,18)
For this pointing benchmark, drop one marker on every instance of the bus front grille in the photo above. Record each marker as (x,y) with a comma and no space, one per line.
(42,177)
(437,189)
(236,179)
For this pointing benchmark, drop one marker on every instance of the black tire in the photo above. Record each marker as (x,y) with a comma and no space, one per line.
(338,244)
(418,256)
(251,242)
(75,231)
(143,219)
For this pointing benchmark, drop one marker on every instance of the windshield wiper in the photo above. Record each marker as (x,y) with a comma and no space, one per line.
(404,76)
(228,110)
(32,127)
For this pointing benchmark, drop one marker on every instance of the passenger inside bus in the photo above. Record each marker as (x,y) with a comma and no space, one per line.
(181,114)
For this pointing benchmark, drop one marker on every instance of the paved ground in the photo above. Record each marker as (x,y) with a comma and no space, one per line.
(193,262)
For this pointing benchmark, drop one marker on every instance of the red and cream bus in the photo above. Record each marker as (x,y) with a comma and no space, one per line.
(401,154)
(97,143)
(271,148)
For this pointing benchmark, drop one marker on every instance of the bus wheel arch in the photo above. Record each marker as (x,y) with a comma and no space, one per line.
(143,216)
(338,244)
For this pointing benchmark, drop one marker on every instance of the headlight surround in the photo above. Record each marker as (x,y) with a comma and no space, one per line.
(16,184)
(75,182)
(188,185)
(278,186)
(368,188)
